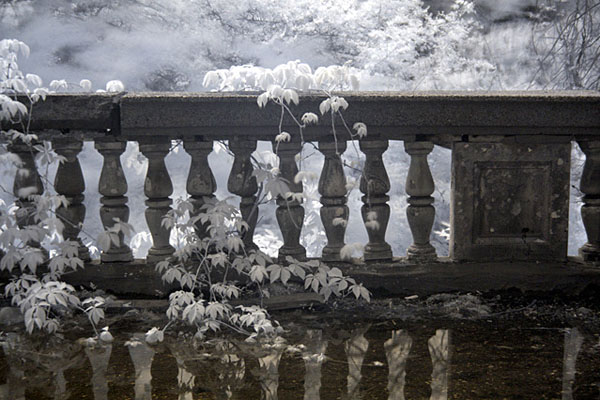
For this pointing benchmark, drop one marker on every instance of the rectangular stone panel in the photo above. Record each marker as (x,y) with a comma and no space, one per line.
(509,201)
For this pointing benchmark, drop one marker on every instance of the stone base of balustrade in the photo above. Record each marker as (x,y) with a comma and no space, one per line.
(590,253)
(120,254)
(420,254)
(378,252)
(398,277)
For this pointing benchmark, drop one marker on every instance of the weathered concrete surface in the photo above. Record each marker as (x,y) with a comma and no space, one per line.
(76,112)
(139,280)
(509,201)
(387,114)
(445,276)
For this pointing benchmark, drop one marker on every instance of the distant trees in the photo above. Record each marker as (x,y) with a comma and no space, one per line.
(567,45)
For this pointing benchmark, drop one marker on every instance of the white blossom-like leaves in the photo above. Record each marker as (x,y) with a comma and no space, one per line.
(86,84)
(310,118)
(115,86)
(361,129)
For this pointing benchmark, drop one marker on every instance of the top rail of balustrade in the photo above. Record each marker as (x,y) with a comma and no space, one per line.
(389,115)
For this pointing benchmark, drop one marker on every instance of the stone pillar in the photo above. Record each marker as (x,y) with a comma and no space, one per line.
(573,342)
(201,184)
(157,188)
(396,351)
(439,350)
(142,356)
(269,373)
(374,184)
(99,356)
(332,187)
(313,356)
(420,212)
(290,213)
(27,183)
(69,182)
(113,187)
(590,211)
(243,183)
(356,349)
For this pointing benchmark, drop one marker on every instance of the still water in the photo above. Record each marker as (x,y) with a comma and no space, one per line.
(386,360)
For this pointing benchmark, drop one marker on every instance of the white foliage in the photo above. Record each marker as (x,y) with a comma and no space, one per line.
(115,86)
(85,84)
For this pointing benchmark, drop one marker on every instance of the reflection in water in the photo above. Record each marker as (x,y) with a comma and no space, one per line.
(180,349)
(396,352)
(99,353)
(313,356)
(34,368)
(38,363)
(232,369)
(185,380)
(439,350)
(573,342)
(356,349)
(14,388)
(269,371)
(142,355)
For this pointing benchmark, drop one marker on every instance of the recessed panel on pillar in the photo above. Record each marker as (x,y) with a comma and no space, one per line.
(509,201)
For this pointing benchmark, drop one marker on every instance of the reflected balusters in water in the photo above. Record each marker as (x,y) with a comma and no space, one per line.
(99,353)
(268,374)
(38,363)
(13,388)
(573,342)
(396,351)
(313,356)
(439,350)
(232,370)
(180,350)
(356,349)
(142,356)
(35,367)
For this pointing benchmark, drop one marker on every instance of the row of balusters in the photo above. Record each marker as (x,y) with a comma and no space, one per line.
(224,372)
(374,185)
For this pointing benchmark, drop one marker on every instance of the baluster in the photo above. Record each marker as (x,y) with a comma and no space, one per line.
(242,183)
(269,373)
(141,355)
(27,182)
(232,370)
(185,381)
(182,350)
(313,356)
(332,187)
(590,211)
(439,350)
(420,212)
(573,342)
(290,213)
(14,388)
(374,184)
(356,349)
(201,184)
(396,351)
(69,182)
(157,188)
(99,356)
(60,383)
(113,187)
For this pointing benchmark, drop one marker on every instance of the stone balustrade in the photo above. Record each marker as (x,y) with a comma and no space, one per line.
(510,167)
(469,364)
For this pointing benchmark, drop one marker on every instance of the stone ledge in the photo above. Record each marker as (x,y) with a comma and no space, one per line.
(397,278)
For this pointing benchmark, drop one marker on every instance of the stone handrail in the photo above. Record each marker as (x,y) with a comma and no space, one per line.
(510,165)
